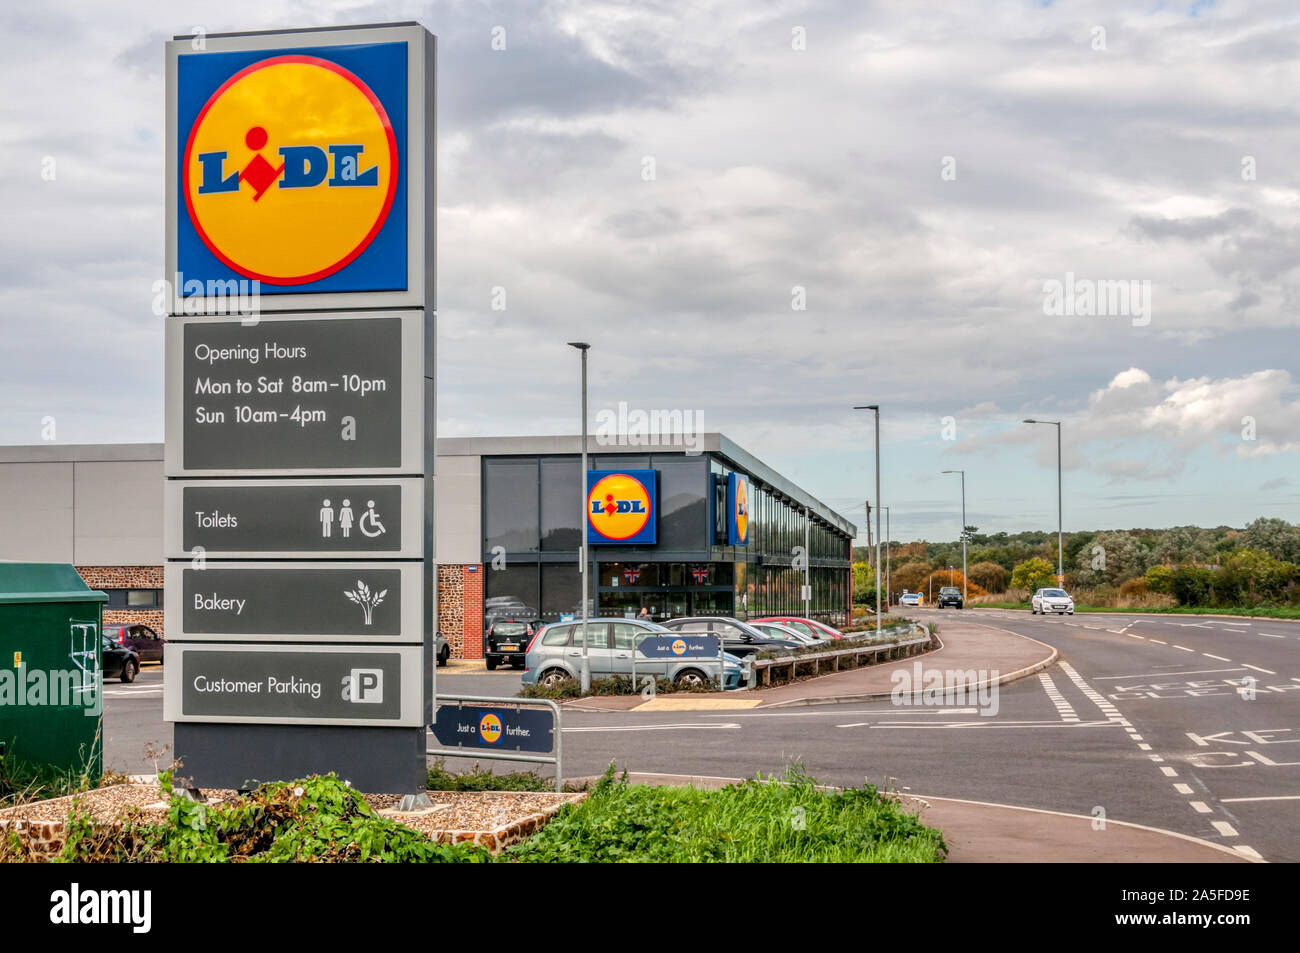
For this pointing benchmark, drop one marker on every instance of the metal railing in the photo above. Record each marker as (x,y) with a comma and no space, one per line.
(765,666)
(481,701)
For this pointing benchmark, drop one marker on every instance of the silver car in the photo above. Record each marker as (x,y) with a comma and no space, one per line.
(778,631)
(556,653)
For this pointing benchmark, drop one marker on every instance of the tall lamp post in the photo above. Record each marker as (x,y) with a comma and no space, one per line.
(585,679)
(963,532)
(1060,533)
(889,588)
(876,409)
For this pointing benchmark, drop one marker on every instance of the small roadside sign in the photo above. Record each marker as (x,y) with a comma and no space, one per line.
(465,726)
(680,646)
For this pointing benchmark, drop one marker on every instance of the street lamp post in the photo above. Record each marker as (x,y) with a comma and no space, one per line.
(889,588)
(1060,532)
(963,533)
(585,679)
(876,409)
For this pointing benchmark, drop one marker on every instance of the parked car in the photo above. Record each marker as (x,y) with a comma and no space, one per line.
(120,661)
(1051,600)
(778,631)
(910,599)
(441,649)
(506,640)
(949,596)
(556,653)
(738,637)
(818,630)
(147,643)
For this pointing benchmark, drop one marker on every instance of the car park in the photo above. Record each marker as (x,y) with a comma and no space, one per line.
(119,661)
(506,640)
(818,630)
(556,653)
(1051,600)
(738,637)
(144,641)
(778,631)
(949,596)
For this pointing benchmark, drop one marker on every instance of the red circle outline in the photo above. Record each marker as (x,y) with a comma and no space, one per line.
(392,179)
(649,506)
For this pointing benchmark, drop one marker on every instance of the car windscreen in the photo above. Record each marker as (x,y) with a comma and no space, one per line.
(509,630)
(950,589)
(1055,593)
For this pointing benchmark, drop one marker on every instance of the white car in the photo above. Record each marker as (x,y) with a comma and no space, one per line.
(778,631)
(910,599)
(1051,600)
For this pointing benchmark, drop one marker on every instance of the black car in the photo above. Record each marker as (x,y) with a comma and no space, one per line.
(147,643)
(738,638)
(949,596)
(506,641)
(120,661)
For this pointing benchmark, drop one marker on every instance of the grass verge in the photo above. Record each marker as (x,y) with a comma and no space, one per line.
(781,820)
(1252,612)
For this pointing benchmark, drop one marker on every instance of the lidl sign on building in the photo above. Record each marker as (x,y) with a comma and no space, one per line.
(622,507)
(299,453)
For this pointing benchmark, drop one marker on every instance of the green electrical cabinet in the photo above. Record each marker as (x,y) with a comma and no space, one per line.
(51,682)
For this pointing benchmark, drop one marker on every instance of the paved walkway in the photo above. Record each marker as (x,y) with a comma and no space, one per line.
(976,832)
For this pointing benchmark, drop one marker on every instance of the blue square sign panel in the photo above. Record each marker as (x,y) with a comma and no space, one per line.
(622,507)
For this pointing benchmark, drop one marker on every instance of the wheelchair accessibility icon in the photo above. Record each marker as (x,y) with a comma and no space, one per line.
(371,517)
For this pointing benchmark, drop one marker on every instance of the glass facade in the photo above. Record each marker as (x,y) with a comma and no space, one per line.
(531,512)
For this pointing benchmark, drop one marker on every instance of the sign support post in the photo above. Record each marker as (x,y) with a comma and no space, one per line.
(300,423)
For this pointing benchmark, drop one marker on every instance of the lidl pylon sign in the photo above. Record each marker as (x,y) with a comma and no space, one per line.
(294,166)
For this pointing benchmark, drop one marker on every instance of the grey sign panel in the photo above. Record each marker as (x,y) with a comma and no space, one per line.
(352,685)
(295,518)
(295,602)
(303,394)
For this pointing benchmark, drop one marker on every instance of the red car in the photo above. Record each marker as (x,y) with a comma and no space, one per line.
(818,630)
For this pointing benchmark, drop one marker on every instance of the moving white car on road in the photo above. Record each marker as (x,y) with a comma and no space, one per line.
(1051,600)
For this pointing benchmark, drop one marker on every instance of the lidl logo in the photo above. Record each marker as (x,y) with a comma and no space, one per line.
(489,728)
(291,168)
(738,514)
(621,507)
(678,647)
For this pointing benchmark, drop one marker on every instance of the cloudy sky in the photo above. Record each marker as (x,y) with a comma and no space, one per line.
(919,174)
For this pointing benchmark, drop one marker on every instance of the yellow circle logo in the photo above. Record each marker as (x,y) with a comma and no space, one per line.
(618,506)
(679,647)
(742,509)
(489,728)
(290,170)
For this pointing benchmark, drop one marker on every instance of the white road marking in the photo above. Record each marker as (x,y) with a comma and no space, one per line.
(647,727)
(1158,642)
(1169,772)
(1198,671)
(1183,788)
(1247,851)
(1218,657)
(1063,706)
(1270,635)
(1200,807)
(1274,797)
(1184,648)
(1258,669)
(1224,828)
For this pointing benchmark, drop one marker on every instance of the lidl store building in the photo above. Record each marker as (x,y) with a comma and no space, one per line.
(708,530)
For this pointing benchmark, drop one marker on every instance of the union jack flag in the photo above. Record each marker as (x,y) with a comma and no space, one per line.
(700,574)
(632,574)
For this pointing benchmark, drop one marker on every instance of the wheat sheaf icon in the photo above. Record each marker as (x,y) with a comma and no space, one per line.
(365,597)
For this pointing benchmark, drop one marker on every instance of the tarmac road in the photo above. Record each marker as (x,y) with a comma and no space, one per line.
(1187,723)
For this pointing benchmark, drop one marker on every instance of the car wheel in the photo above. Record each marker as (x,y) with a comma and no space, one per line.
(443,656)
(129,670)
(552,677)
(491,663)
(691,678)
